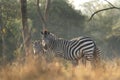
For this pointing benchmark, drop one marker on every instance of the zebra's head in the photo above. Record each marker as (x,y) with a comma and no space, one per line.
(47,37)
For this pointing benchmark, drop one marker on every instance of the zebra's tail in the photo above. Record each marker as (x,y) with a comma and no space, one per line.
(97,56)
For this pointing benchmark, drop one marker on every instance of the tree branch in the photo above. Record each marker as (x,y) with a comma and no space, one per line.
(47,6)
(113,7)
(40,14)
(109,3)
(43,18)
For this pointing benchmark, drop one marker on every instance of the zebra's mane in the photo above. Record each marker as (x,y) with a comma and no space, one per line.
(77,38)
(53,35)
(73,39)
(59,38)
(56,37)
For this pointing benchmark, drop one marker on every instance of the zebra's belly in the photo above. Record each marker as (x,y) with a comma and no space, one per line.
(72,56)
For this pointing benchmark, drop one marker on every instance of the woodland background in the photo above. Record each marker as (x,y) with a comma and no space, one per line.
(20,24)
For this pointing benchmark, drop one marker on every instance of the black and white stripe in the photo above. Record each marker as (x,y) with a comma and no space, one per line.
(78,48)
(37,47)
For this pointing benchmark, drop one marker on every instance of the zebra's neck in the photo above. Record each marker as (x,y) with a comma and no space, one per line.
(57,44)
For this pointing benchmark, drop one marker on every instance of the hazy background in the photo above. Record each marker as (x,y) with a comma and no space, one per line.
(67,19)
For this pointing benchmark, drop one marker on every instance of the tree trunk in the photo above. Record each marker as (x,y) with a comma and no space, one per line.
(25,30)
(2,34)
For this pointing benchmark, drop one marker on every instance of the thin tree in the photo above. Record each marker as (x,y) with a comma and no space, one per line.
(25,29)
(2,32)
(44,17)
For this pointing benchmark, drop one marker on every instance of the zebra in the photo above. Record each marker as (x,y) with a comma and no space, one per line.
(37,47)
(75,49)
(40,51)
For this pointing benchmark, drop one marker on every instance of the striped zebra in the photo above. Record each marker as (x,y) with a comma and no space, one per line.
(83,48)
(37,47)
(40,51)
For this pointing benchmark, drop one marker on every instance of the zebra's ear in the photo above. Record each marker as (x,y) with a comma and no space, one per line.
(46,32)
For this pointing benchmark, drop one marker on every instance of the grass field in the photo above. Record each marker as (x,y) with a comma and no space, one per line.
(40,69)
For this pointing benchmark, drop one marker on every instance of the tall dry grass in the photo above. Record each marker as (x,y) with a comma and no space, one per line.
(40,69)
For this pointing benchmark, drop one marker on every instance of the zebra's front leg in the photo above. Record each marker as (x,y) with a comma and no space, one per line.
(74,64)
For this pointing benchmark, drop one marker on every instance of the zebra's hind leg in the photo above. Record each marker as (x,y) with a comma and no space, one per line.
(75,63)
(95,63)
(84,61)
(96,55)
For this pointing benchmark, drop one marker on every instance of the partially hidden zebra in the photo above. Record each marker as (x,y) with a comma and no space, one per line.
(40,51)
(37,47)
(81,48)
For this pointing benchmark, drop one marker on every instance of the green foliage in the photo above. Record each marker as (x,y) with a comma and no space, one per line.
(64,18)
(9,27)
